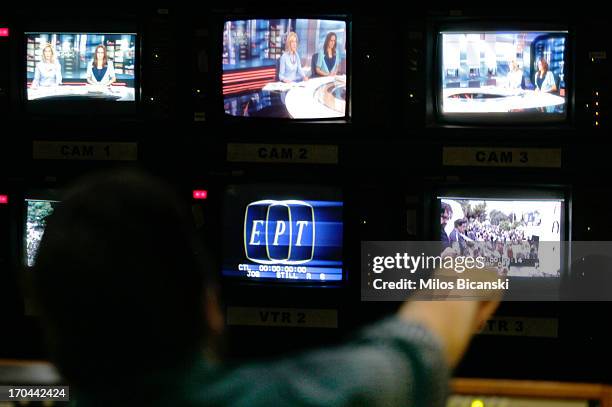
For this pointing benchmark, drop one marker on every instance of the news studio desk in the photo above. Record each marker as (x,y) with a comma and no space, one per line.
(314,98)
(118,93)
(496,100)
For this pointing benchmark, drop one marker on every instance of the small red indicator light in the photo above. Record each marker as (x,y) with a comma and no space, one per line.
(3,199)
(4,32)
(200,194)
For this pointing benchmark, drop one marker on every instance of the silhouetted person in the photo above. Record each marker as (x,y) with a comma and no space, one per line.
(131,317)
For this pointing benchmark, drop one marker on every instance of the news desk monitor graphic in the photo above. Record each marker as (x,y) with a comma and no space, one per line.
(262,78)
(289,240)
(60,66)
(496,72)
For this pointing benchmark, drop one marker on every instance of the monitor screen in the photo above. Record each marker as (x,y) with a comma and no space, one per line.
(523,234)
(77,66)
(37,211)
(285,68)
(507,74)
(283,233)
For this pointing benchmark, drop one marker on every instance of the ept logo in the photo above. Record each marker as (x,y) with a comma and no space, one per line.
(279,232)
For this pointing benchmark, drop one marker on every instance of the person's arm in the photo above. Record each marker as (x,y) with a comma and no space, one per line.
(90,76)
(320,62)
(391,363)
(110,73)
(282,69)
(299,68)
(334,70)
(550,79)
(454,322)
(403,360)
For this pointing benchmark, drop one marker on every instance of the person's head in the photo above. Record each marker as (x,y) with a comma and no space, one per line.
(121,282)
(48,54)
(542,65)
(291,43)
(514,66)
(460,225)
(100,55)
(446,212)
(330,43)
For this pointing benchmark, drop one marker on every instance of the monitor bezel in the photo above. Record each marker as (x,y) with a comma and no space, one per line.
(548,287)
(284,283)
(81,108)
(484,120)
(344,16)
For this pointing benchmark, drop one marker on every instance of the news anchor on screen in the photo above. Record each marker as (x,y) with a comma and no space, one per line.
(544,79)
(101,70)
(328,61)
(515,76)
(290,67)
(48,71)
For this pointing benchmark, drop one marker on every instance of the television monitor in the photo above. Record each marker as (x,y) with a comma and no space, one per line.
(524,233)
(37,211)
(77,66)
(292,68)
(506,75)
(283,233)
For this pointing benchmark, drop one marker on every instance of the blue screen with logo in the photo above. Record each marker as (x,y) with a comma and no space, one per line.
(277,233)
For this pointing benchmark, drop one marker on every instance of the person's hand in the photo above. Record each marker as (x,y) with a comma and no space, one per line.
(455,321)
(305,78)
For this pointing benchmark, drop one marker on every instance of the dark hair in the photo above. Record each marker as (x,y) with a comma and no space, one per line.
(120,280)
(544,64)
(328,39)
(460,222)
(444,207)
